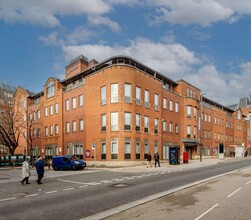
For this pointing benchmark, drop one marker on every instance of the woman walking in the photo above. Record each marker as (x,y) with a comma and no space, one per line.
(26,171)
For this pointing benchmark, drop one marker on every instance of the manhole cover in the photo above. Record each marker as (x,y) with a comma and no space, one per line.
(120,185)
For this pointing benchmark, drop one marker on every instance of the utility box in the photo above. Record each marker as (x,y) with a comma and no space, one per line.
(174,155)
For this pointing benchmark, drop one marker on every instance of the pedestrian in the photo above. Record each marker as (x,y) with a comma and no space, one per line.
(149,159)
(156,158)
(40,169)
(26,172)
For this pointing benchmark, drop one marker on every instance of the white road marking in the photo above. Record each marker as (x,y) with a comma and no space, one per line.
(207,211)
(51,192)
(93,184)
(246,169)
(105,181)
(83,186)
(233,192)
(2,200)
(248,182)
(32,195)
(69,181)
(67,189)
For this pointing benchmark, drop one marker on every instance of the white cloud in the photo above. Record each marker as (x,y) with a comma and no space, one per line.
(224,88)
(101,20)
(170,59)
(51,39)
(176,62)
(46,12)
(183,12)
(79,35)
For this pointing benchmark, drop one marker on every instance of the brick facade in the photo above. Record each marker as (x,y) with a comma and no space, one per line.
(74,114)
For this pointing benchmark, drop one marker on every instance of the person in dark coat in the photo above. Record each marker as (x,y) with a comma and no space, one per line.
(149,159)
(156,158)
(40,169)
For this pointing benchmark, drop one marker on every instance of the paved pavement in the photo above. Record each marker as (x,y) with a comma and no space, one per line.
(10,174)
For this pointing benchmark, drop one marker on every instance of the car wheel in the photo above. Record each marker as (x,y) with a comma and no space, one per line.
(73,168)
(55,168)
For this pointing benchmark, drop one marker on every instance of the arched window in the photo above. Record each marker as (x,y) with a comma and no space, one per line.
(50,89)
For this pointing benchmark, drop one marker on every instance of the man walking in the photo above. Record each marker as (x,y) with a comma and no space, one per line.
(40,169)
(149,159)
(156,158)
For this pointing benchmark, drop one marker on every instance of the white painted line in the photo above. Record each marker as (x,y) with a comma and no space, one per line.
(106,181)
(246,169)
(233,192)
(51,192)
(2,200)
(93,184)
(69,181)
(248,182)
(124,207)
(83,186)
(32,195)
(68,189)
(207,211)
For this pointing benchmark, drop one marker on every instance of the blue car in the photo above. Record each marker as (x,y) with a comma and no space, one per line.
(68,163)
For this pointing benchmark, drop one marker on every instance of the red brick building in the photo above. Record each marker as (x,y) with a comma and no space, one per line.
(125,110)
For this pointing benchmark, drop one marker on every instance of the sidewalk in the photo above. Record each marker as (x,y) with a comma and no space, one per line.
(165,165)
(13,174)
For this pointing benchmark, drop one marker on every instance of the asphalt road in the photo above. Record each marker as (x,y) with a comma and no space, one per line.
(226,198)
(83,195)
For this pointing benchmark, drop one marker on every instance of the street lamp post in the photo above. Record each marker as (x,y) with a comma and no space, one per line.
(201,96)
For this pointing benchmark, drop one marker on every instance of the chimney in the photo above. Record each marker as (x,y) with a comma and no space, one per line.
(76,66)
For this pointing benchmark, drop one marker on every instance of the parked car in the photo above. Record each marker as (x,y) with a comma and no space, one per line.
(68,163)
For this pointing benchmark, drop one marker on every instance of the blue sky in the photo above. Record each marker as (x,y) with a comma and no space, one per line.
(205,42)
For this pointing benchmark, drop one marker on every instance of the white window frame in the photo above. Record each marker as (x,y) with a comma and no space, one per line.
(67,127)
(51,109)
(156,102)
(146,124)
(67,105)
(81,100)
(56,108)
(74,126)
(114,92)
(51,130)
(138,95)
(189,111)
(127,93)
(56,129)
(165,103)
(46,111)
(103,95)
(114,121)
(50,89)
(127,121)
(103,122)
(74,102)
(137,122)
(81,124)
(176,107)
(146,98)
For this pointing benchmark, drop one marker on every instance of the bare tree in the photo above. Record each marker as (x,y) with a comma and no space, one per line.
(12,119)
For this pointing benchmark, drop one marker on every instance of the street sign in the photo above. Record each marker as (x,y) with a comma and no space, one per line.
(88,154)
